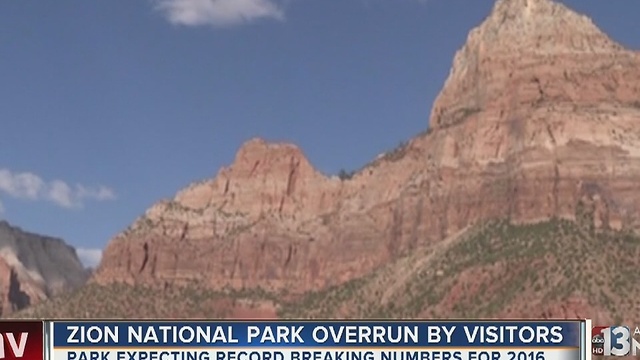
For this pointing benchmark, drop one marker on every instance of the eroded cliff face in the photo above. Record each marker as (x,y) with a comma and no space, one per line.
(543,102)
(538,119)
(34,268)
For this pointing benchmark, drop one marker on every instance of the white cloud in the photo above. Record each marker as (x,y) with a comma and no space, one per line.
(32,187)
(61,194)
(23,185)
(89,257)
(219,12)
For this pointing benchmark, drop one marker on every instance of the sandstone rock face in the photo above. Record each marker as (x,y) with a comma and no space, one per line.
(539,118)
(33,268)
(541,100)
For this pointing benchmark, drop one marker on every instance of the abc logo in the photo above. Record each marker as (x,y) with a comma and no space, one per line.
(597,347)
(598,339)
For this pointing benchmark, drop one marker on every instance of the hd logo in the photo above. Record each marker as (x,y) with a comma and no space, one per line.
(613,341)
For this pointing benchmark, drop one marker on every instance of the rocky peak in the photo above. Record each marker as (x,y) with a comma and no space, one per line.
(264,179)
(523,37)
(259,157)
(513,23)
(34,267)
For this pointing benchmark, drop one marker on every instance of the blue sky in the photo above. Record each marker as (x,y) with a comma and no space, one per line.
(109,106)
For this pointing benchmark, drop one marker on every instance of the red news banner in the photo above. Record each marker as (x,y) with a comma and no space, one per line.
(21,340)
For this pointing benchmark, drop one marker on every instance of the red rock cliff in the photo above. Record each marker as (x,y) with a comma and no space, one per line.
(540,112)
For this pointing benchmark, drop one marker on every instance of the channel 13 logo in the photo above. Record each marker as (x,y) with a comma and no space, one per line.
(612,341)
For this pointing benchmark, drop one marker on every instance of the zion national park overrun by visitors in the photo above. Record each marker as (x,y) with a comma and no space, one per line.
(527,172)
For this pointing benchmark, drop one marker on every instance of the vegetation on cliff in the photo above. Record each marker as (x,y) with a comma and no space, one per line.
(492,270)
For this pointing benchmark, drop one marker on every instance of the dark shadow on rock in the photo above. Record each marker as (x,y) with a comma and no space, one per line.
(18,298)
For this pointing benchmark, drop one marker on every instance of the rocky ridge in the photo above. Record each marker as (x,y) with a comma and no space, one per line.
(34,268)
(537,120)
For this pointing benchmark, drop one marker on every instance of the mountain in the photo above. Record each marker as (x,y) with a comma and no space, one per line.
(34,268)
(516,202)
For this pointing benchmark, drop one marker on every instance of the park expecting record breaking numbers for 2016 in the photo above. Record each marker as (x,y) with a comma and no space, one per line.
(307,355)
